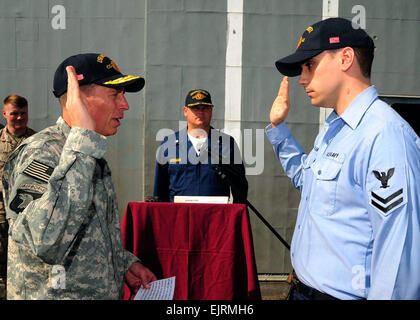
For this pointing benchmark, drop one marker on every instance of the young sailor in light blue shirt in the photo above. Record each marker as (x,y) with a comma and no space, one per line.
(357,233)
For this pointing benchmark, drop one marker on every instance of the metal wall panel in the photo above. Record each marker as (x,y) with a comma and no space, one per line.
(394,26)
(271,31)
(186,45)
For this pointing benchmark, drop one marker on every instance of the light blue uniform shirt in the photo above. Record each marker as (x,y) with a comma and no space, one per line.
(357,233)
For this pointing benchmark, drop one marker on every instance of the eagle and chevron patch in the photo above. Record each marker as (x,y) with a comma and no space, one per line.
(388,196)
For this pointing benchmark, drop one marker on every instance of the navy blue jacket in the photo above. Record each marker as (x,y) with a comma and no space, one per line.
(180,171)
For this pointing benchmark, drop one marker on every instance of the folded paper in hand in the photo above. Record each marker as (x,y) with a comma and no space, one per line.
(159,290)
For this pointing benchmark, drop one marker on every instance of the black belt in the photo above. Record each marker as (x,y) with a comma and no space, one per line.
(308,292)
(311,293)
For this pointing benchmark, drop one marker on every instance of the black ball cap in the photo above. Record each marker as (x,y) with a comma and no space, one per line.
(198,97)
(328,34)
(95,68)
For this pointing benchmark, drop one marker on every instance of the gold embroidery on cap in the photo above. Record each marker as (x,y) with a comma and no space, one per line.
(300,41)
(194,92)
(100,58)
(113,65)
(199,96)
(199,103)
(309,29)
(121,80)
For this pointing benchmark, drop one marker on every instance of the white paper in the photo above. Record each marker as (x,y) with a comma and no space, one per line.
(159,290)
(201,199)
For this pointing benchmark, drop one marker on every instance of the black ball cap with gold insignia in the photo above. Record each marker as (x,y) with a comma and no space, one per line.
(328,34)
(95,68)
(198,97)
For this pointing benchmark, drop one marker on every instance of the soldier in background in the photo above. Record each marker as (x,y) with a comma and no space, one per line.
(65,239)
(15,111)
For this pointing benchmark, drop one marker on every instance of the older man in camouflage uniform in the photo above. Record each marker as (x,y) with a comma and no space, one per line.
(15,111)
(65,239)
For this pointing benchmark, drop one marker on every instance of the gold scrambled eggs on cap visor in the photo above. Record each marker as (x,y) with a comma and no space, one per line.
(129,82)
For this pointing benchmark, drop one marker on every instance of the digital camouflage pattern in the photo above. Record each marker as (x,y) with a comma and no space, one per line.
(7,144)
(69,224)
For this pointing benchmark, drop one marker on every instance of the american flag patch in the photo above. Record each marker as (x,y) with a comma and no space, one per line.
(39,171)
(335,40)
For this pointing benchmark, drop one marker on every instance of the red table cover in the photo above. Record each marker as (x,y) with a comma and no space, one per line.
(208,247)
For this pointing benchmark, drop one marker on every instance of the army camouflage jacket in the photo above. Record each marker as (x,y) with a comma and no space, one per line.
(64,236)
(8,144)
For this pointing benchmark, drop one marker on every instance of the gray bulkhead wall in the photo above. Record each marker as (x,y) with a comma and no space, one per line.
(271,31)
(394,26)
(186,49)
(179,45)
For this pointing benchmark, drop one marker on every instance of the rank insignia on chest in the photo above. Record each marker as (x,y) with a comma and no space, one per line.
(387,196)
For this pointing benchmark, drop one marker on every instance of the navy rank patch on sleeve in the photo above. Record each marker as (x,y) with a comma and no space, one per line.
(39,171)
(388,194)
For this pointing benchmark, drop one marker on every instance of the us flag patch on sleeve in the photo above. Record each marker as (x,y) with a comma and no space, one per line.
(39,171)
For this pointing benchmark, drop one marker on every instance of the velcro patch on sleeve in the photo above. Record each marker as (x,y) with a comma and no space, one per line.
(23,198)
(39,171)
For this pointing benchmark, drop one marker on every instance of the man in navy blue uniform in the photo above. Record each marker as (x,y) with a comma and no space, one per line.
(186,161)
(357,233)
